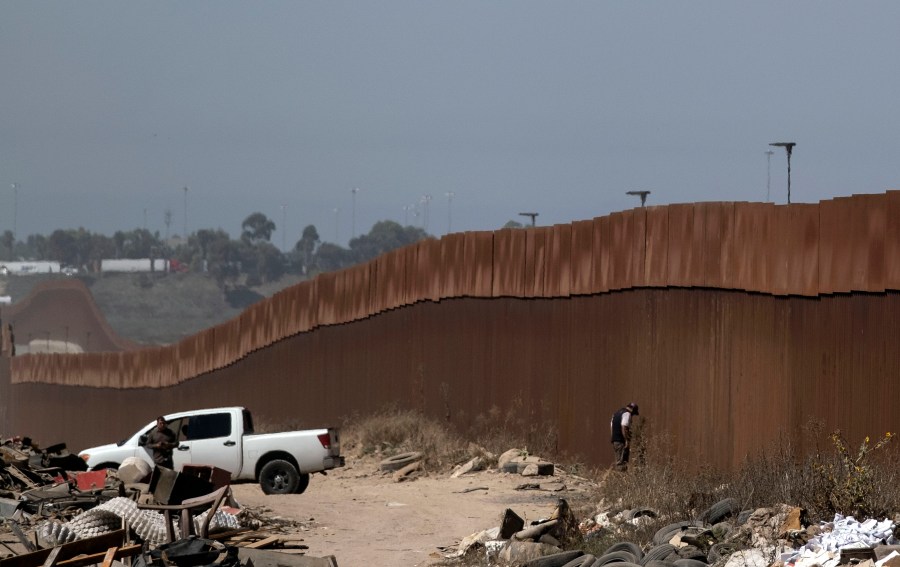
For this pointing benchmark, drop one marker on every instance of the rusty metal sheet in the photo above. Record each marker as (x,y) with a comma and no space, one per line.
(582,257)
(479,257)
(558,265)
(698,243)
(876,224)
(751,237)
(428,270)
(845,227)
(657,247)
(681,245)
(829,218)
(453,268)
(804,266)
(535,261)
(781,251)
(892,240)
(639,248)
(509,263)
(600,275)
(621,246)
(720,244)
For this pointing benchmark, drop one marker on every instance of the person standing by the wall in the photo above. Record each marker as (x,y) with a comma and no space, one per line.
(620,427)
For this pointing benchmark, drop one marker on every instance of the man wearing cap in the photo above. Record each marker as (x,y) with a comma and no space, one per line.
(621,434)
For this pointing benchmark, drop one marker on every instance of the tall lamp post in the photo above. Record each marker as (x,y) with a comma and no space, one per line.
(283,227)
(789,148)
(15,188)
(450,195)
(353,191)
(768,174)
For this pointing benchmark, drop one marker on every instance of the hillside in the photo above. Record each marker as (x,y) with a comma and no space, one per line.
(159,308)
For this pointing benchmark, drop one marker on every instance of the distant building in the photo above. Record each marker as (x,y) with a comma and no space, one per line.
(28,268)
(134,265)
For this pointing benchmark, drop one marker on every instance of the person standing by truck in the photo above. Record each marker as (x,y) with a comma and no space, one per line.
(162,442)
(620,426)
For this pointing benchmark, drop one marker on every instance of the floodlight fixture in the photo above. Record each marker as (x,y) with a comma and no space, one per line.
(641,194)
(789,148)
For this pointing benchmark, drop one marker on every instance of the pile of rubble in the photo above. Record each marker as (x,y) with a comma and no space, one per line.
(722,536)
(58,514)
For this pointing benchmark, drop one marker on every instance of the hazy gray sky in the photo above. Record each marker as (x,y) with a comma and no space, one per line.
(108,109)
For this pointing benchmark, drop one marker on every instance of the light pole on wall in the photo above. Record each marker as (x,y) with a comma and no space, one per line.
(641,194)
(789,148)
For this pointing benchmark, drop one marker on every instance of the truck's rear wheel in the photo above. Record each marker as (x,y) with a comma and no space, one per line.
(279,477)
(304,482)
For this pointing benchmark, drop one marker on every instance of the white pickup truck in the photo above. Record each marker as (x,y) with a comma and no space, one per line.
(224,438)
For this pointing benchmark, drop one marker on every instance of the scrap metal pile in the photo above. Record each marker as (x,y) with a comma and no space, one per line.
(55,513)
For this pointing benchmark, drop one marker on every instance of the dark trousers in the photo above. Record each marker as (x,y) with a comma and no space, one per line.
(622,453)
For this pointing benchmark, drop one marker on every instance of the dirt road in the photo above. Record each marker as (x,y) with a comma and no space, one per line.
(362,517)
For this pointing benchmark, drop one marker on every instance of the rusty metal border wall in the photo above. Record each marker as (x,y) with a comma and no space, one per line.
(731,323)
(722,374)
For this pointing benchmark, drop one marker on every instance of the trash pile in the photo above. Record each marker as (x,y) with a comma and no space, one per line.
(59,512)
(723,535)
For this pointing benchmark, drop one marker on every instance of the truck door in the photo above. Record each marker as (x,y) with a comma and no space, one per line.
(213,440)
(182,453)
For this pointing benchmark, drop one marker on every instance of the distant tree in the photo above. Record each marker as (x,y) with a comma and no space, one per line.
(330,257)
(7,241)
(37,246)
(63,247)
(305,248)
(513,224)
(257,228)
(384,237)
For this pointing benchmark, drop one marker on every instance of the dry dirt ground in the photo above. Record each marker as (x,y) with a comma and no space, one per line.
(362,517)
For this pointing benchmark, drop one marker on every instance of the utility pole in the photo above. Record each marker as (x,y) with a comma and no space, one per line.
(283,228)
(789,148)
(185,214)
(426,199)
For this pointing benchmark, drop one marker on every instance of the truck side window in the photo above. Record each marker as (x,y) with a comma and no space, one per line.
(209,426)
(248,422)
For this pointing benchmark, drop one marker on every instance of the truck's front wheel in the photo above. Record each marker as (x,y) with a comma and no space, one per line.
(279,477)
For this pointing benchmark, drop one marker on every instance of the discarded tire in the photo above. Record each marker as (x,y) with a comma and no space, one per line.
(720,510)
(555,560)
(615,557)
(659,553)
(583,561)
(744,516)
(658,563)
(399,461)
(664,534)
(628,546)
(689,563)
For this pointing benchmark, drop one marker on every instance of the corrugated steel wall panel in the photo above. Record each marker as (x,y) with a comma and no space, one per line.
(892,240)
(582,257)
(535,261)
(509,263)
(657,249)
(602,248)
(480,259)
(681,237)
(558,267)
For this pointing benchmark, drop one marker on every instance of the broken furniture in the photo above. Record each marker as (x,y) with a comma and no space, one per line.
(186,510)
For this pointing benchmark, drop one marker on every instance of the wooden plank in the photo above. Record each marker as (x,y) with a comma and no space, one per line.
(109,557)
(69,550)
(51,558)
(82,560)
(265,542)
